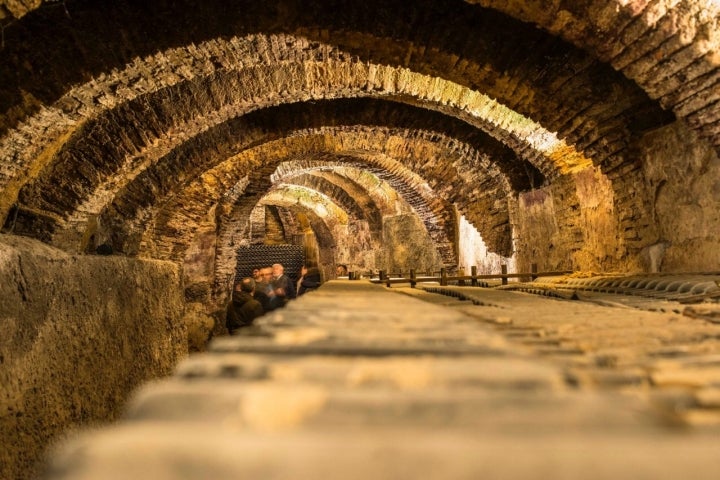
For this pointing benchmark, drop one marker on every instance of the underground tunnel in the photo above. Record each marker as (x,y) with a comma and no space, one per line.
(153,153)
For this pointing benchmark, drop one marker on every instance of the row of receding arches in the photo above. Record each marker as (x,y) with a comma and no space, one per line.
(178,129)
(345,207)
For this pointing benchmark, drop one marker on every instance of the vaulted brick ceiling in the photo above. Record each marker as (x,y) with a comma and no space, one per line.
(139,117)
(355,201)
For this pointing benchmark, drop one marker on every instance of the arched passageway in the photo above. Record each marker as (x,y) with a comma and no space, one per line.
(144,138)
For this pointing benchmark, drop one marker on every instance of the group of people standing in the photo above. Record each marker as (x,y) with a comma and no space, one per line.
(269,288)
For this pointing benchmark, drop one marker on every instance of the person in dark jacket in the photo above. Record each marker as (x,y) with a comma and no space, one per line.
(263,289)
(283,286)
(243,309)
(310,281)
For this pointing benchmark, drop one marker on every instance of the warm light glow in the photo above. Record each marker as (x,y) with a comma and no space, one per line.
(286,195)
(564,156)
(473,251)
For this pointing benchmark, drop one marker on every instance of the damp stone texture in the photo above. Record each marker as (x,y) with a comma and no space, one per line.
(80,333)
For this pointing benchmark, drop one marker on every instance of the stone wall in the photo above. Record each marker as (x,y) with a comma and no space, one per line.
(682,176)
(569,225)
(357,250)
(674,185)
(536,230)
(406,244)
(79,333)
(472,251)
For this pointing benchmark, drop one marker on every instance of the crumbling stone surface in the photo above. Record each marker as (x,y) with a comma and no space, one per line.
(405,247)
(353,381)
(199,325)
(17,8)
(684,198)
(575,214)
(197,292)
(79,334)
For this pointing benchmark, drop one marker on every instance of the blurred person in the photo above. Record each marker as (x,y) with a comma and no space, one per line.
(257,274)
(310,281)
(303,272)
(243,309)
(283,287)
(263,290)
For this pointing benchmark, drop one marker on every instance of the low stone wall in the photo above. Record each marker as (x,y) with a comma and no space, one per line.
(78,334)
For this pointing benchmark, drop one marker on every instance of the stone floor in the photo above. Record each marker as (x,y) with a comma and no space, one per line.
(360,381)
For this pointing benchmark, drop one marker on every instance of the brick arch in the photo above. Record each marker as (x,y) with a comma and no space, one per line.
(437,216)
(318,225)
(309,199)
(146,140)
(295,221)
(323,213)
(438,27)
(290,223)
(369,191)
(171,227)
(126,140)
(37,192)
(356,202)
(617,108)
(682,23)
(668,48)
(628,35)
(235,209)
(469,159)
